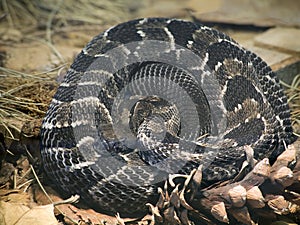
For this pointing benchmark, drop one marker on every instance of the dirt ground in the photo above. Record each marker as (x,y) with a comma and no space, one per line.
(33,60)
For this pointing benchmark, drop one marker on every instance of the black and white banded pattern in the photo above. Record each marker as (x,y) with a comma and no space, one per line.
(155,96)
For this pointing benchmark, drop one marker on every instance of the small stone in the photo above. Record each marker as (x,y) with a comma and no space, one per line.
(280,37)
(272,57)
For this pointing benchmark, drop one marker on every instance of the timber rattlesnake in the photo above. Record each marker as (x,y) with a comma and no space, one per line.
(156,96)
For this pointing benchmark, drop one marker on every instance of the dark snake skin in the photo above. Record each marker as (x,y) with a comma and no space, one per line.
(194,96)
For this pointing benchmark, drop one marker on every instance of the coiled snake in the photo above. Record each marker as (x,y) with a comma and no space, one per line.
(156,96)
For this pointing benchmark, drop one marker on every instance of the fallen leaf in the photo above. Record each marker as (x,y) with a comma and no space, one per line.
(10,212)
(18,214)
(21,197)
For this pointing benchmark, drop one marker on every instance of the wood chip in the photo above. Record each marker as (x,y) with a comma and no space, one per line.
(197,178)
(183,202)
(288,155)
(155,212)
(219,212)
(161,200)
(184,218)
(262,168)
(242,215)
(174,197)
(238,195)
(279,205)
(171,216)
(284,176)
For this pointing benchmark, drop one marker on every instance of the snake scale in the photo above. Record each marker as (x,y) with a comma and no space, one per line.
(156,96)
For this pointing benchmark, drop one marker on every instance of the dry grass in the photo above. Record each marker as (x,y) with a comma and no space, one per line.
(293,93)
(45,13)
(24,97)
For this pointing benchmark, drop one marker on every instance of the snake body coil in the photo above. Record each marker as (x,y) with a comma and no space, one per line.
(156,96)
